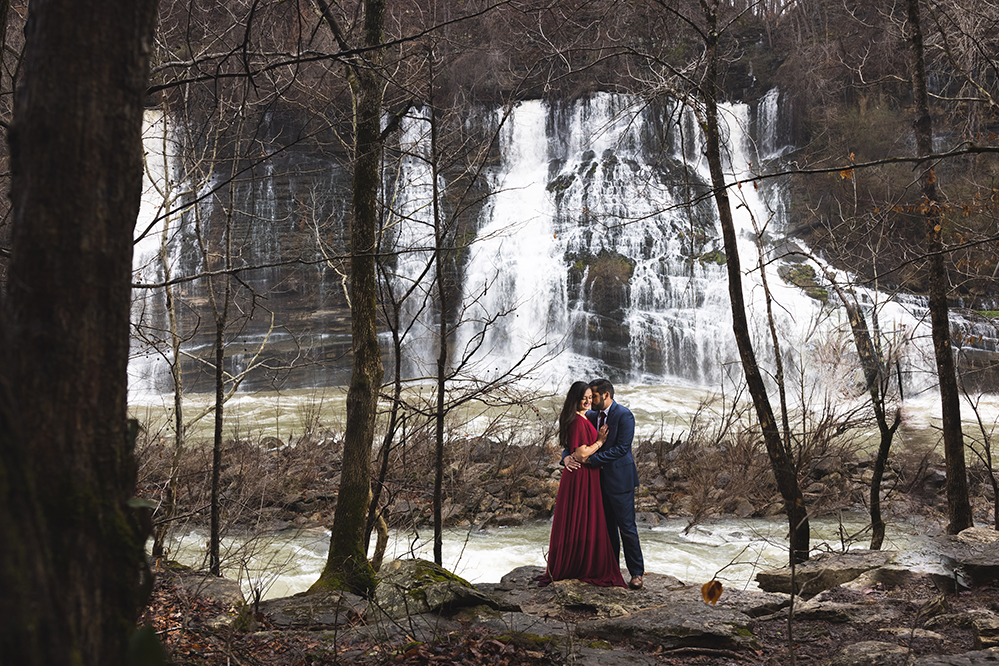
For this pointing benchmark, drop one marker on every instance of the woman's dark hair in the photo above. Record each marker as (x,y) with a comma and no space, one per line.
(569,409)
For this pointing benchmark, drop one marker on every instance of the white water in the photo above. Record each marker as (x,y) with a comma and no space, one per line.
(514,280)
(572,183)
(158,197)
(733,550)
(411,184)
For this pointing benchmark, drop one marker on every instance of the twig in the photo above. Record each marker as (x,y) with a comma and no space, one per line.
(706,652)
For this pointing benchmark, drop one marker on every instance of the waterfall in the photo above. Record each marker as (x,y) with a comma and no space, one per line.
(596,251)
(585,253)
(145,367)
(514,314)
(411,187)
(588,257)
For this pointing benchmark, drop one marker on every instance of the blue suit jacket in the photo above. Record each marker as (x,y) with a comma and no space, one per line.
(618,473)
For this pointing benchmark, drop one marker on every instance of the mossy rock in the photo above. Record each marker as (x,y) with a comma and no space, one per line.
(412,587)
(713,257)
(804,277)
(561,183)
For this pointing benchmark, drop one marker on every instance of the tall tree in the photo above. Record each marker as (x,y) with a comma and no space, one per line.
(877,375)
(781,459)
(73,548)
(347,565)
(958,504)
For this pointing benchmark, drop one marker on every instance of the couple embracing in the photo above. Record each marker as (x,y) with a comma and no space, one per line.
(595,506)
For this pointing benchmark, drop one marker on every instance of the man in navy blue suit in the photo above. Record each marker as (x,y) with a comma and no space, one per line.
(618,475)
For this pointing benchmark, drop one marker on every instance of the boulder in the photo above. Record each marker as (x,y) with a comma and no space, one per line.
(326,609)
(870,653)
(744,508)
(849,612)
(677,625)
(412,587)
(891,576)
(823,571)
(986,629)
(973,555)
(825,466)
(206,585)
(515,590)
(981,568)
(604,601)
(647,518)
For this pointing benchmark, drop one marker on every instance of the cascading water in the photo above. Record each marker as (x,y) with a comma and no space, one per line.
(145,355)
(514,285)
(412,199)
(585,254)
(587,258)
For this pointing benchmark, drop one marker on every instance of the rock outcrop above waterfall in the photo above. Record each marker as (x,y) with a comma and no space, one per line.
(871,612)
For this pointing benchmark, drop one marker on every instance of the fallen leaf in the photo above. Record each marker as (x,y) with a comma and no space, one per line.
(711,591)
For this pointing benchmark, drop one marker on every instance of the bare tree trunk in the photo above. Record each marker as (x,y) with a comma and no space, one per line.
(169,508)
(875,376)
(215,536)
(780,458)
(73,559)
(442,356)
(220,312)
(958,503)
(347,566)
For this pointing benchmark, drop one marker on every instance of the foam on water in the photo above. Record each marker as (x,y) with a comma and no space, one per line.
(732,550)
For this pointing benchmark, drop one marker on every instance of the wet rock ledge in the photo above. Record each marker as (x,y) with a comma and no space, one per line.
(894,615)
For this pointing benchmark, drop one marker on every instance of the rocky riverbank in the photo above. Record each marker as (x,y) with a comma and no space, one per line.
(493,484)
(851,608)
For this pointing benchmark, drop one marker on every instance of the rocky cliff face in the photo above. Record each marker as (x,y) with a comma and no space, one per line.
(575,238)
(569,243)
(573,202)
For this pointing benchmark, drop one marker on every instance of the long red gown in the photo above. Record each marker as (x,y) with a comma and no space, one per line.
(580,546)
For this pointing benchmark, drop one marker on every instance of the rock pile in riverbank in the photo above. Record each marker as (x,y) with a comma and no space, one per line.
(493,484)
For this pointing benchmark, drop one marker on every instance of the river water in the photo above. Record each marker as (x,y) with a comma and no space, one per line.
(732,550)
(662,411)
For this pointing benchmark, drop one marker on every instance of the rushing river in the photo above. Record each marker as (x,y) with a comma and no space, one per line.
(733,550)
(661,411)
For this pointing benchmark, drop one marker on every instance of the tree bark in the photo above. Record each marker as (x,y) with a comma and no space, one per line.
(74,566)
(958,504)
(169,508)
(347,566)
(440,254)
(875,376)
(780,458)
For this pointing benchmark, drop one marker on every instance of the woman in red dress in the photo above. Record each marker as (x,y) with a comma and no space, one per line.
(580,546)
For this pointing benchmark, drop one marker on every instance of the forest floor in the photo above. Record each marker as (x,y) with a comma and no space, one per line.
(185,626)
